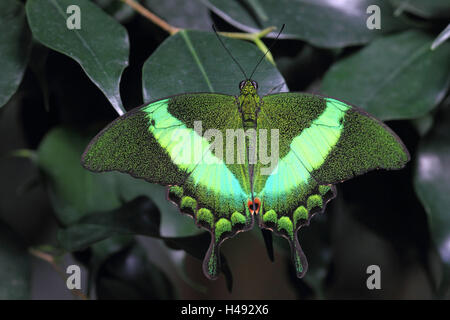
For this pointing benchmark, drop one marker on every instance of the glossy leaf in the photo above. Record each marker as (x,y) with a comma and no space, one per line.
(100,46)
(14,266)
(396,77)
(103,249)
(74,191)
(173,223)
(128,274)
(15,46)
(441,38)
(432,183)
(195,61)
(323,23)
(188,14)
(140,216)
(425,9)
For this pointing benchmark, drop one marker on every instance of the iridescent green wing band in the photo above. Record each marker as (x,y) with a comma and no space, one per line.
(365,144)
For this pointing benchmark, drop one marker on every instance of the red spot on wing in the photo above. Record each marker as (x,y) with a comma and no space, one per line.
(254,208)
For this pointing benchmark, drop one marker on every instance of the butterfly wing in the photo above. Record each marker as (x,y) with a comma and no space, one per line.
(322,141)
(166,142)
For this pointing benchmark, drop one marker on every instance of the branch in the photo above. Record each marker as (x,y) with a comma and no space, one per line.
(152,17)
(256,38)
(51,260)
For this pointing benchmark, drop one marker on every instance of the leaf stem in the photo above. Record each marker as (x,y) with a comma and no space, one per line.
(248,36)
(152,17)
(51,260)
(24,153)
(256,38)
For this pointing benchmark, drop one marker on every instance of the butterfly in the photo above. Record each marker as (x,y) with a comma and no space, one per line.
(211,151)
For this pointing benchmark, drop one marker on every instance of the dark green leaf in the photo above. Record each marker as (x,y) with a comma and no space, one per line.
(396,77)
(140,216)
(96,255)
(190,14)
(14,266)
(15,45)
(173,223)
(105,248)
(100,46)
(129,274)
(74,191)
(432,183)
(195,61)
(425,9)
(323,23)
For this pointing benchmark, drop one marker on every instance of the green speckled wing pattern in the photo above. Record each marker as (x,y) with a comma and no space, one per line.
(322,141)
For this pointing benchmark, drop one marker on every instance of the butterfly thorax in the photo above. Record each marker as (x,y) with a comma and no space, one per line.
(249,102)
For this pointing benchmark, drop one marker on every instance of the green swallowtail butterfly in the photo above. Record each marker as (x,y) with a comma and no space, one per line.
(208,148)
(315,142)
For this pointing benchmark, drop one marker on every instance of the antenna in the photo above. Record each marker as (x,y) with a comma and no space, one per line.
(235,61)
(261,59)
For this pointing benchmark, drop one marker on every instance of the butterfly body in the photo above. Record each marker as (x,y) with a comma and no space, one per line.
(249,103)
(228,161)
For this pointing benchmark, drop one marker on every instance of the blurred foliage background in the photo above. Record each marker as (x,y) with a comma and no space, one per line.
(59,87)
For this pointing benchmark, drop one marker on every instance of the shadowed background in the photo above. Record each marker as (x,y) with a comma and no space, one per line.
(131,242)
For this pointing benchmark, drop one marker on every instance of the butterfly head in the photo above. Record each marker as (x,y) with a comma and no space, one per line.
(248,87)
